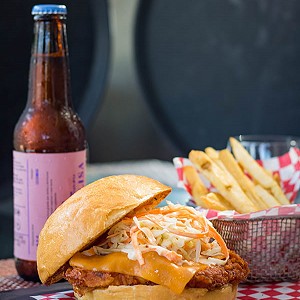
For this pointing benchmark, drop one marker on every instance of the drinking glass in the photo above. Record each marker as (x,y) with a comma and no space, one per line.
(266,146)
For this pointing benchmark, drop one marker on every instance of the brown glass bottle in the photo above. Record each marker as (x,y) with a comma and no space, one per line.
(48,125)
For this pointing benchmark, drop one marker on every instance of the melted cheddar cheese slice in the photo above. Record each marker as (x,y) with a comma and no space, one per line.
(157,269)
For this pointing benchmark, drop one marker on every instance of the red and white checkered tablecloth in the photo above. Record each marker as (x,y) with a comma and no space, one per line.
(266,291)
(57,296)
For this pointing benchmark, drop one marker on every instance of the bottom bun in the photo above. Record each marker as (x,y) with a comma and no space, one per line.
(155,292)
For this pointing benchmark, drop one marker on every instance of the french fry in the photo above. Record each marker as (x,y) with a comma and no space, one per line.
(228,175)
(216,201)
(277,178)
(249,164)
(225,160)
(213,154)
(200,193)
(258,173)
(243,180)
(266,196)
(278,194)
(222,181)
(198,189)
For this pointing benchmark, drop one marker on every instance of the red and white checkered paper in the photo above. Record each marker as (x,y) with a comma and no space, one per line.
(57,296)
(267,291)
(286,166)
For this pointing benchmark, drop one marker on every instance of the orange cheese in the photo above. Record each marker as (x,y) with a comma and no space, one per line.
(157,269)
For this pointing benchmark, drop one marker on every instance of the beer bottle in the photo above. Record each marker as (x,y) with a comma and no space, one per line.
(49,139)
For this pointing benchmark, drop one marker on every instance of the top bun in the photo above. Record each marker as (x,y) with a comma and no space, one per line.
(87,214)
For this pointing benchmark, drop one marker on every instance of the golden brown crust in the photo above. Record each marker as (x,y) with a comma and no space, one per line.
(155,292)
(87,214)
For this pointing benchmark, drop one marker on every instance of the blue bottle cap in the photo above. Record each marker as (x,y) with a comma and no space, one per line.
(49,9)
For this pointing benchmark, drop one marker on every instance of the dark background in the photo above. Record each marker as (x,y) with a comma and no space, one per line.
(154,79)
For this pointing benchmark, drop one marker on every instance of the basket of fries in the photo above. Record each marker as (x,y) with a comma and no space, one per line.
(270,245)
(250,205)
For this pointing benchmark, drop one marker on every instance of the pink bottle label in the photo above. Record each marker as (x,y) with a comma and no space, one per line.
(42,181)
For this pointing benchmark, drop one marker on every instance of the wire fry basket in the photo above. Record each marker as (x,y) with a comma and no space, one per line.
(270,245)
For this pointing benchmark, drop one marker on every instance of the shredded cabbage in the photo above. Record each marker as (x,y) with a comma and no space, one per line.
(179,233)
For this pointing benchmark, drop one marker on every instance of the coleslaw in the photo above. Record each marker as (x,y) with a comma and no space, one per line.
(179,233)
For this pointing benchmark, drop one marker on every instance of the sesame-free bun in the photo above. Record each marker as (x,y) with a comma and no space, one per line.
(154,292)
(87,214)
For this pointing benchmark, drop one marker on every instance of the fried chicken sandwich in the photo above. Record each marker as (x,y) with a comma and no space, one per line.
(111,241)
